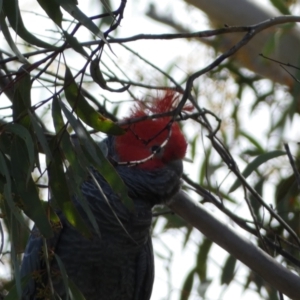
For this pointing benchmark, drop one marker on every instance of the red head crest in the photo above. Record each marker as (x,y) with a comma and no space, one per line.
(144,137)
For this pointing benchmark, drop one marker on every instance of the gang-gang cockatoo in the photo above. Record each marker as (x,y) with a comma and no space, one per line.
(118,264)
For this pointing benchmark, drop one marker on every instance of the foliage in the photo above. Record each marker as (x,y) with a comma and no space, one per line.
(50,83)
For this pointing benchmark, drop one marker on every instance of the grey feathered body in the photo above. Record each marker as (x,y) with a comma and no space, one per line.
(119,263)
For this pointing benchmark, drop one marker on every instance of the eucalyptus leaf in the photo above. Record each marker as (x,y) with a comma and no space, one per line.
(98,160)
(73,42)
(252,166)
(75,12)
(61,194)
(85,111)
(52,9)
(228,270)
(12,11)
(40,135)
(27,197)
(24,134)
(9,39)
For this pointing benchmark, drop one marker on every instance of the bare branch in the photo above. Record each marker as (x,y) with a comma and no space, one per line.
(257,260)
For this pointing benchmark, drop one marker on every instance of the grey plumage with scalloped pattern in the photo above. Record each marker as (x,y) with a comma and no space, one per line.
(118,264)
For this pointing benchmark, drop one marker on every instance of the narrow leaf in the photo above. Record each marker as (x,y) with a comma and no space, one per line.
(281,6)
(24,134)
(77,165)
(76,293)
(76,172)
(12,11)
(187,285)
(4,170)
(7,191)
(98,160)
(85,111)
(22,97)
(228,270)
(13,208)
(99,79)
(40,135)
(253,141)
(57,118)
(52,9)
(73,42)
(13,293)
(63,273)
(202,259)
(29,198)
(259,160)
(5,143)
(15,237)
(9,39)
(61,195)
(75,12)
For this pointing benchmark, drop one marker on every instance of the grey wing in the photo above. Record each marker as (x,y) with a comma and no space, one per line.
(145,272)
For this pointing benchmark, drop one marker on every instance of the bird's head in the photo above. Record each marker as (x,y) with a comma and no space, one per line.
(153,142)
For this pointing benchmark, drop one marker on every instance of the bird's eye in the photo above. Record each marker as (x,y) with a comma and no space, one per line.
(155,149)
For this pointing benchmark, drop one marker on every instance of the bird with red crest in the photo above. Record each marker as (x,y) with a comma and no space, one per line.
(153,141)
(119,264)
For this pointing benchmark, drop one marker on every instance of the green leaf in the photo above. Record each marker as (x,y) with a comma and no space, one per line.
(77,165)
(24,134)
(76,293)
(4,170)
(9,39)
(202,259)
(5,143)
(13,208)
(15,237)
(97,74)
(228,270)
(99,79)
(259,160)
(281,6)
(12,11)
(193,145)
(74,11)
(27,191)
(52,9)
(187,236)
(205,169)
(61,195)
(12,288)
(7,191)
(40,135)
(254,203)
(57,118)
(85,111)
(63,272)
(187,285)
(73,42)
(22,97)
(98,160)
(76,173)
(253,141)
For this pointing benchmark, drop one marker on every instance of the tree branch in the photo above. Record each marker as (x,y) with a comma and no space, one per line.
(257,260)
